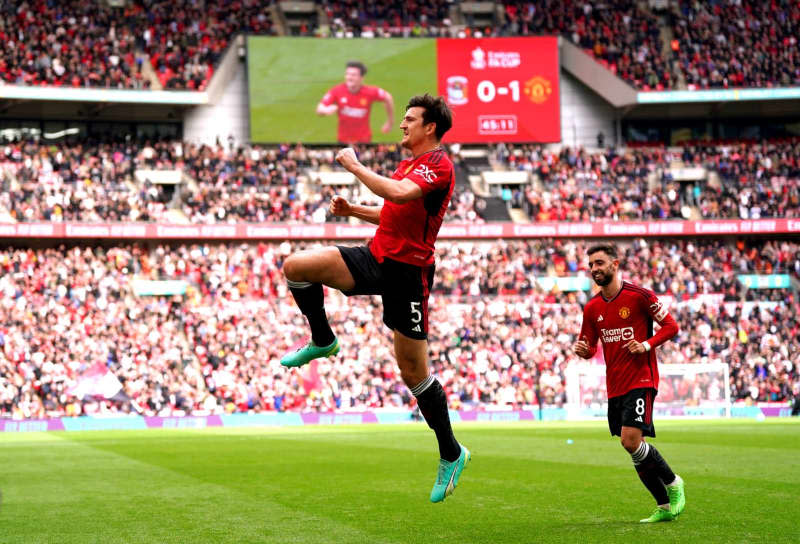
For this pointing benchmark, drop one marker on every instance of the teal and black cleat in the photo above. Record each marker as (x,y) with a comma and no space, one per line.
(659,514)
(447,477)
(308,353)
(677,497)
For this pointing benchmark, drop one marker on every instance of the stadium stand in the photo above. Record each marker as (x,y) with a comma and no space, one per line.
(497,338)
(151,44)
(177,181)
(141,45)
(190,328)
(690,45)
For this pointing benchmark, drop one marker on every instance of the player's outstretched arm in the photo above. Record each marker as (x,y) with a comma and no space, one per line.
(397,191)
(325,109)
(388,103)
(340,207)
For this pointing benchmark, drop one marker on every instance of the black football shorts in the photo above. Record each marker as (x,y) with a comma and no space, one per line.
(633,409)
(404,289)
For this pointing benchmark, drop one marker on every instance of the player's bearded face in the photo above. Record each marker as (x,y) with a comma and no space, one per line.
(414,131)
(602,274)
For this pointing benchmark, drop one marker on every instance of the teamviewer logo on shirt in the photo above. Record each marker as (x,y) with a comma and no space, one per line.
(425,173)
(617,335)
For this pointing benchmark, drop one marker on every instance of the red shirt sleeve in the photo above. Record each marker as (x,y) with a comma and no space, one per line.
(658,312)
(433,174)
(329,98)
(374,93)
(589,331)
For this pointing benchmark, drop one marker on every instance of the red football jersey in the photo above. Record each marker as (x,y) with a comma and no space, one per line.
(354,111)
(407,232)
(627,316)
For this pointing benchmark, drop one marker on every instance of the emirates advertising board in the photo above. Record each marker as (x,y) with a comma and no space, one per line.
(500,89)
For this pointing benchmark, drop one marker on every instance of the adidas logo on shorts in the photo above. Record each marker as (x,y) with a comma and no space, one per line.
(639,419)
(416,329)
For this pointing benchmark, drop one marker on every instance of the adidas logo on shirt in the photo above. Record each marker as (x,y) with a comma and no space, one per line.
(599,318)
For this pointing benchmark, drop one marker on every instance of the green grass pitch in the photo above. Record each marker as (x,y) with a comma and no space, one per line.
(370,484)
(289,76)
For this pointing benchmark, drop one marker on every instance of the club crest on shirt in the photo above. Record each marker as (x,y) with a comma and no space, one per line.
(624,312)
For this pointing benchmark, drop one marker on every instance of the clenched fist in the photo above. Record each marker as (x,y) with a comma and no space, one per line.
(340,206)
(347,158)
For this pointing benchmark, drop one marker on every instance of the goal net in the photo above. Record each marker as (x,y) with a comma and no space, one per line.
(685,390)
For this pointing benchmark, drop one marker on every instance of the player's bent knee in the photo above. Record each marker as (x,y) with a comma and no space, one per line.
(291,268)
(412,371)
(630,443)
(412,379)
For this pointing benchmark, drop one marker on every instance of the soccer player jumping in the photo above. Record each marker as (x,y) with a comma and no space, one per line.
(397,264)
(622,315)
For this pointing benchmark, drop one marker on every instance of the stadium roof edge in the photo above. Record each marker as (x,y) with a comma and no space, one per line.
(717,95)
(121,96)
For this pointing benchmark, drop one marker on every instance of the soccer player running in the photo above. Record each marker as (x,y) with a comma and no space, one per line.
(622,315)
(352,102)
(397,264)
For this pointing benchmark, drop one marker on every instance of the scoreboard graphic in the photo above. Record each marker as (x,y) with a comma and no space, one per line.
(501,89)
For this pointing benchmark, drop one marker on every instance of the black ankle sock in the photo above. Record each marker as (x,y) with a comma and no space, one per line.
(660,465)
(649,472)
(311,301)
(433,404)
(653,484)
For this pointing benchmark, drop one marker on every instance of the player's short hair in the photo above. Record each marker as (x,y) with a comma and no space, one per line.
(607,248)
(356,64)
(436,111)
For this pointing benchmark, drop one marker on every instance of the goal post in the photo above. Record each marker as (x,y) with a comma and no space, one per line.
(699,390)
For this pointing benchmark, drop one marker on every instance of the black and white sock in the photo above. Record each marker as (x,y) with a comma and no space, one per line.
(311,301)
(648,474)
(432,403)
(659,464)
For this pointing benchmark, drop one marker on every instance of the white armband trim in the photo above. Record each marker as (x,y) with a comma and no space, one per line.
(646,345)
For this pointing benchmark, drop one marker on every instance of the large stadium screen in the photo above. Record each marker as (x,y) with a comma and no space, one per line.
(500,89)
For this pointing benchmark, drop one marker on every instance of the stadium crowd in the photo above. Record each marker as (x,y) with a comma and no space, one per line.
(497,336)
(621,34)
(94,44)
(97,182)
(755,181)
(385,18)
(712,45)
(746,43)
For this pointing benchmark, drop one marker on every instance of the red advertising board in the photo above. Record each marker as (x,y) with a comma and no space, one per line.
(451,231)
(501,89)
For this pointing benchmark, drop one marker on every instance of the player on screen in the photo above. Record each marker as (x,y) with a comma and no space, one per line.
(397,264)
(621,315)
(352,102)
